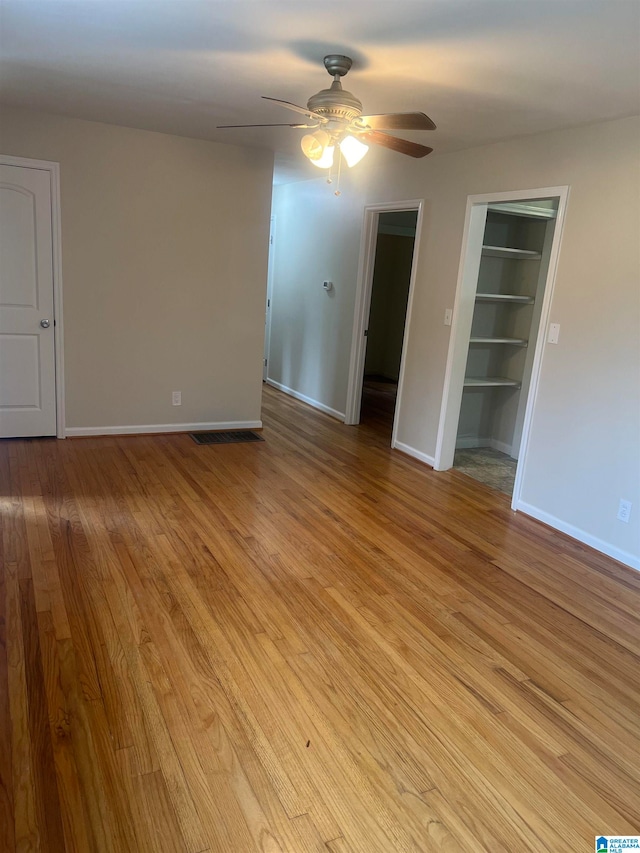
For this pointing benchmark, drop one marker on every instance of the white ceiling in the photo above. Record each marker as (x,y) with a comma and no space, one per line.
(484,70)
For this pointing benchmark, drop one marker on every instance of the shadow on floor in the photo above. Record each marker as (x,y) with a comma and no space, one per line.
(378,404)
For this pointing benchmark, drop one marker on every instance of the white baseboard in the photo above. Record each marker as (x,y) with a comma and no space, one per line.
(467,442)
(581,535)
(142,429)
(501,446)
(309,400)
(380,374)
(417,454)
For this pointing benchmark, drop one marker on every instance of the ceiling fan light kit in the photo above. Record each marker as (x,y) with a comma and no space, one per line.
(335,117)
(352,149)
(315,144)
(319,148)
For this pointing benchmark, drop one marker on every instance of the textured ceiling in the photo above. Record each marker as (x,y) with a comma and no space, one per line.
(484,70)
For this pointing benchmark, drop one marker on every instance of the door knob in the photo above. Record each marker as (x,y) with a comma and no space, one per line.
(45,324)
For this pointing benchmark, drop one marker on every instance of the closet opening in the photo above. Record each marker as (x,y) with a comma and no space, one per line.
(502,313)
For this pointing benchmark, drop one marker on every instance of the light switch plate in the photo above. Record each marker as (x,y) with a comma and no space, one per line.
(554,333)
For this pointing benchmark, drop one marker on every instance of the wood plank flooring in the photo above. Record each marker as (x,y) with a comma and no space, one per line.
(308,644)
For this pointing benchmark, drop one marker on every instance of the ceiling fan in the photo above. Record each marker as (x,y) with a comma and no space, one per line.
(335,116)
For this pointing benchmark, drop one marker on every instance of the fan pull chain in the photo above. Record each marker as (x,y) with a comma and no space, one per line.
(337,192)
(329,176)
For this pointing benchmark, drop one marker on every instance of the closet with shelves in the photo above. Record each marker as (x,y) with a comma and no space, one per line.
(508,302)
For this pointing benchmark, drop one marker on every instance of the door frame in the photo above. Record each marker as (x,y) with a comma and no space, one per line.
(368,244)
(56,241)
(463,313)
(269,299)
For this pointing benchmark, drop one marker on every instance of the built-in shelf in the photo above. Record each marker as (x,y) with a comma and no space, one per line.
(516,342)
(490,382)
(528,210)
(504,297)
(505,252)
(505,320)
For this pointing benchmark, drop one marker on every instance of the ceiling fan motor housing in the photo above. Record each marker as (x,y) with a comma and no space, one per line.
(335,103)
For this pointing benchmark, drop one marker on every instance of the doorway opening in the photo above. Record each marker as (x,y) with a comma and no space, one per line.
(267,310)
(383,305)
(508,264)
(395,241)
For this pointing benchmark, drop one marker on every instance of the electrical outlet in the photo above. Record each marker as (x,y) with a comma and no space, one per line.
(176,398)
(624,511)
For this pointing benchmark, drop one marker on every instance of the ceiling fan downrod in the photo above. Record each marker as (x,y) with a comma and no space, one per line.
(336,102)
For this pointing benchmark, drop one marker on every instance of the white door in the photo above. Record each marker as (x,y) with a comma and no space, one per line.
(27,348)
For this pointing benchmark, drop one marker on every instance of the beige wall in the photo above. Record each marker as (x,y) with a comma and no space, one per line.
(164,249)
(584,451)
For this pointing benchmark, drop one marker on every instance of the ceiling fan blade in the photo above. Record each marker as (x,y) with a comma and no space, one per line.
(396,121)
(413,149)
(297,109)
(223,126)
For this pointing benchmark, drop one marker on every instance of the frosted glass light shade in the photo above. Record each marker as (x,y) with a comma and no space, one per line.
(353,150)
(326,160)
(314,144)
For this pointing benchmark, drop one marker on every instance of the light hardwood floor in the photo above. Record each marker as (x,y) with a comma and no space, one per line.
(308,644)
